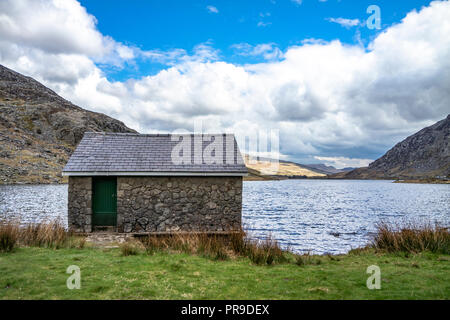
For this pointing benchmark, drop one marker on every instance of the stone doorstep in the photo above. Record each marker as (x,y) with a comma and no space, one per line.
(105,239)
(114,239)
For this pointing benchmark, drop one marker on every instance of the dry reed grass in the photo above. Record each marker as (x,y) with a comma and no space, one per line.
(48,234)
(412,238)
(9,235)
(219,247)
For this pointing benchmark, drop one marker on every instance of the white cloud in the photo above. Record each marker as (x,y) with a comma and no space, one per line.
(58,27)
(268,51)
(343,162)
(263,24)
(326,98)
(347,23)
(212,9)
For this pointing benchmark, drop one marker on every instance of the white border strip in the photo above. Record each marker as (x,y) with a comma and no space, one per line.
(150,173)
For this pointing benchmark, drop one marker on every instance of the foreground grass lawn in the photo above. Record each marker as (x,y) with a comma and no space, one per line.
(39,273)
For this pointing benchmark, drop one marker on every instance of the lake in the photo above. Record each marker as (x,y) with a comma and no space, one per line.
(334,216)
(319,216)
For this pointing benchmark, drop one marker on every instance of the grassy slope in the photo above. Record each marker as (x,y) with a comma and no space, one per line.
(38,273)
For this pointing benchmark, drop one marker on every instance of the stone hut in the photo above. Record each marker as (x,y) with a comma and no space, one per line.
(155,183)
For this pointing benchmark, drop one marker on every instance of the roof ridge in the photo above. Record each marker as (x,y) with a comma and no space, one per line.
(153,134)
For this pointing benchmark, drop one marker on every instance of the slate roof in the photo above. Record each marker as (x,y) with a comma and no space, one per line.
(120,153)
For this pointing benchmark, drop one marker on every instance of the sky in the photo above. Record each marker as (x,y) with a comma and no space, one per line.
(337,90)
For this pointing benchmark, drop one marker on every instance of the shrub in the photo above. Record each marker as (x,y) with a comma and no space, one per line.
(9,235)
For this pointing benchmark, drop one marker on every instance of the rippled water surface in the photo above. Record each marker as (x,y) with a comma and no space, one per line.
(34,203)
(336,215)
(307,215)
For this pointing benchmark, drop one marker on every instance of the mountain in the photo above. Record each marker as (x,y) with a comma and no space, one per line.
(326,169)
(39,129)
(262,169)
(425,154)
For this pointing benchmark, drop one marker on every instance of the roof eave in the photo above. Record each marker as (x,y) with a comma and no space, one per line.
(152,173)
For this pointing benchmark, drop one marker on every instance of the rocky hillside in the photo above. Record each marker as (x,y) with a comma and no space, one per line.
(425,154)
(39,129)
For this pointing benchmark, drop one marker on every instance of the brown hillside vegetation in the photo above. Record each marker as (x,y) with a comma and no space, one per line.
(39,129)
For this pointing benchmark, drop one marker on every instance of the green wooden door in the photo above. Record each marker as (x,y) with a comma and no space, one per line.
(104,201)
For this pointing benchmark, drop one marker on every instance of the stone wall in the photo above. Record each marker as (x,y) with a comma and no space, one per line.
(148,204)
(80,204)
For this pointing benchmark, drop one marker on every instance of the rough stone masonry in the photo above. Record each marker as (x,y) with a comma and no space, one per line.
(163,204)
(80,204)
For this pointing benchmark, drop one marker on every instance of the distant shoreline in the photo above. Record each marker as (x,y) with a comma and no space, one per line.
(272,178)
(424,181)
(278,178)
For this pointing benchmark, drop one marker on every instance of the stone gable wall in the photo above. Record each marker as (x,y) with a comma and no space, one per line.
(80,204)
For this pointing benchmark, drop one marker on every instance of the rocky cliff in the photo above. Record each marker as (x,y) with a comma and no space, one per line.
(425,154)
(39,129)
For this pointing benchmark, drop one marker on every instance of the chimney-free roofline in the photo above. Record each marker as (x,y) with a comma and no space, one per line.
(150,173)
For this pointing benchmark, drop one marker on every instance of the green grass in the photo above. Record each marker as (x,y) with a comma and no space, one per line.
(40,273)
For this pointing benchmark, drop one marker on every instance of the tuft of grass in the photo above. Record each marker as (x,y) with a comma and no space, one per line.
(131,248)
(212,247)
(77,242)
(45,234)
(307,259)
(175,243)
(9,236)
(196,243)
(359,251)
(50,234)
(239,243)
(266,252)
(216,247)
(412,238)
